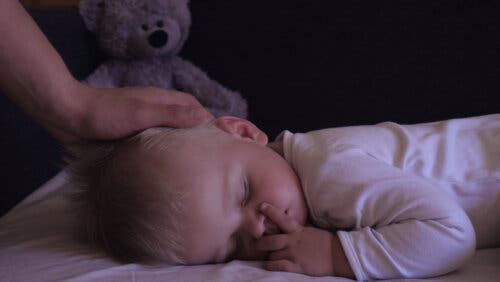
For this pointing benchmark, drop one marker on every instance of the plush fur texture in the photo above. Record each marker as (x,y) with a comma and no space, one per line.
(143,39)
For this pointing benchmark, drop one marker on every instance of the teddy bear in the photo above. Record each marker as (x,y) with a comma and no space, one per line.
(143,39)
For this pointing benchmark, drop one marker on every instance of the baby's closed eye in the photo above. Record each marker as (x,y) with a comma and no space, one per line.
(246,193)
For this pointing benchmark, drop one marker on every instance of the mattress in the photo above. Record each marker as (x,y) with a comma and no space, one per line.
(37,243)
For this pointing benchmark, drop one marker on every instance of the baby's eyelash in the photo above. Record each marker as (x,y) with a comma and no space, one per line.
(245,194)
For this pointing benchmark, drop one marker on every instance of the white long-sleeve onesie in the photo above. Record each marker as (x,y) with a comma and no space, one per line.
(405,200)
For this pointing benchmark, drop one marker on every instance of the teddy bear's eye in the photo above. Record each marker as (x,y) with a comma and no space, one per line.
(159,24)
(145,27)
(100,4)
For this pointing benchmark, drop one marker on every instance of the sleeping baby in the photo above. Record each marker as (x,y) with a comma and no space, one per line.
(364,202)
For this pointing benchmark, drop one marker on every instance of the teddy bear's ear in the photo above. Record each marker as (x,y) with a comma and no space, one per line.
(91,12)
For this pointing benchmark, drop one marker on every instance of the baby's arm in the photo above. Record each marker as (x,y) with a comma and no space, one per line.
(403,225)
(303,249)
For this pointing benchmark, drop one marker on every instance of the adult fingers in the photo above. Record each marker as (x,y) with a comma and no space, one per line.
(286,223)
(162,96)
(117,113)
(281,265)
(271,243)
(171,108)
(178,116)
(129,117)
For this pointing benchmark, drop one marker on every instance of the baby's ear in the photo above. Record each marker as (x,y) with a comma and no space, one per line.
(241,128)
(91,12)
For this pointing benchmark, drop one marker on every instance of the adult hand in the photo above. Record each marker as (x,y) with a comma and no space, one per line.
(34,76)
(301,249)
(115,113)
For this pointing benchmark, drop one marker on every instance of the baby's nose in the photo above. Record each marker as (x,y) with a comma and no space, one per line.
(254,225)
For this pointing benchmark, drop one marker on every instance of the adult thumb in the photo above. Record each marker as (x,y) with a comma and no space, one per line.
(178,116)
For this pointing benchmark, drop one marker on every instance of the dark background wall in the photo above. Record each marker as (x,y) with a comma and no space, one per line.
(327,63)
(302,65)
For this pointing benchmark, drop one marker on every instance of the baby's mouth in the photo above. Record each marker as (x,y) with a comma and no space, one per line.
(270,227)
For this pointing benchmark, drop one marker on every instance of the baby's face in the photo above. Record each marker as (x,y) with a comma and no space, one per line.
(230,181)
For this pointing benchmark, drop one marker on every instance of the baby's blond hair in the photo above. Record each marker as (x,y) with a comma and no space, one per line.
(122,211)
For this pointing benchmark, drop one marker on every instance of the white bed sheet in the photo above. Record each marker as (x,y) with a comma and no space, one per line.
(37,244)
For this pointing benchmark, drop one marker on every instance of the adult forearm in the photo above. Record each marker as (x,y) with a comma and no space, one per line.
(32,73)
(34,76)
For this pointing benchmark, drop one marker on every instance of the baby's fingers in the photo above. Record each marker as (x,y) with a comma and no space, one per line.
(281,265)
(272,243)
(284,222)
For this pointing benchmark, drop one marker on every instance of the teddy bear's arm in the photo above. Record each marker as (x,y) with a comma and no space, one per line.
(216,98)
(103,77)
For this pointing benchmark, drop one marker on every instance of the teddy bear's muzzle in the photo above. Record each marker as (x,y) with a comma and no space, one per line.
(158,39)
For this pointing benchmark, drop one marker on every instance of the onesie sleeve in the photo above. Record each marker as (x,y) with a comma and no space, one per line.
(399,225)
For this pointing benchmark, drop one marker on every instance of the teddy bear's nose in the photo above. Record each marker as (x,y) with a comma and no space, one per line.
(158,39)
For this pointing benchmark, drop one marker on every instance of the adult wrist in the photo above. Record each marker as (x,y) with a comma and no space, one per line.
(64,109)
(77,96)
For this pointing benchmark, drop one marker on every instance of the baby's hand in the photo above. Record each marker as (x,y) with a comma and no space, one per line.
(300,249)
